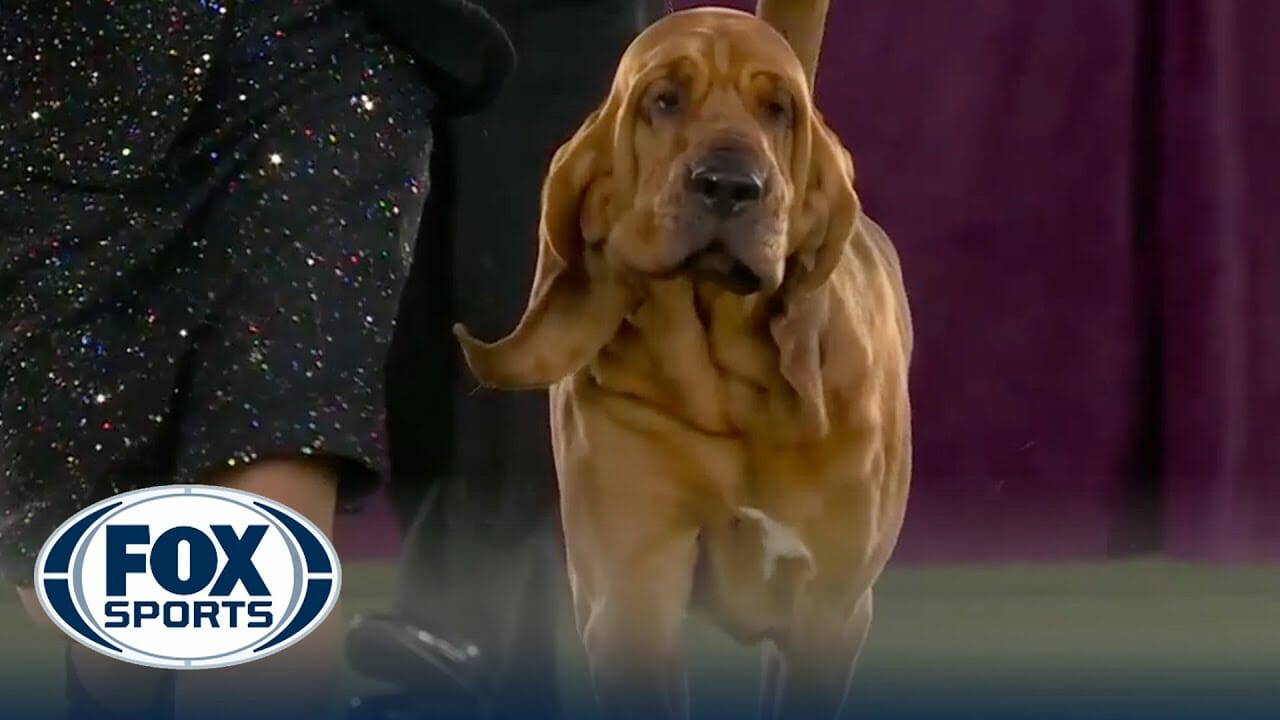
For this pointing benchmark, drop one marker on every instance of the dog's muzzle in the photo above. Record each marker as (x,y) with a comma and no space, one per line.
(725,183)
(725,189)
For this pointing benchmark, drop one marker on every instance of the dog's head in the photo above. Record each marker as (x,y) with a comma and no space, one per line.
(708,160)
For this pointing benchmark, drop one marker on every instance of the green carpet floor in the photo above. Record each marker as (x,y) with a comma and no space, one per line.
(1097,628)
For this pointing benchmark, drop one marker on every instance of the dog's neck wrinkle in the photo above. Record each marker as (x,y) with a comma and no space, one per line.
(699,355)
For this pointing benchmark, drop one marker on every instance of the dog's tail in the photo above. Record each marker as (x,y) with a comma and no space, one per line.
(802,23)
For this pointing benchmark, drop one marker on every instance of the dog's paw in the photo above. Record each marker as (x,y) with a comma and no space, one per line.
(779,544)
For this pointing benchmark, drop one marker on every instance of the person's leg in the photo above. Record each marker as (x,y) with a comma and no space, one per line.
(480,561)
(297,682)
(421,362)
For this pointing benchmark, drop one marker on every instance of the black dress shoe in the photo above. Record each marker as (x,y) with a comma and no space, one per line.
(416,661)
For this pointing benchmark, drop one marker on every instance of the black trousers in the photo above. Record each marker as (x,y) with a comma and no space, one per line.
(473,479)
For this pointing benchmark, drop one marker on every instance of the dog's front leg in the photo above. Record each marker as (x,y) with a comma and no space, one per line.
(630,616)
(772,679)
(818,659)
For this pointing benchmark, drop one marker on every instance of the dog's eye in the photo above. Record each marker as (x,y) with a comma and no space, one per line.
(776,109)
(667,101)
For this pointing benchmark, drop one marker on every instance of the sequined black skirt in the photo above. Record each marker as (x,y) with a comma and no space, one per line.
(207,212)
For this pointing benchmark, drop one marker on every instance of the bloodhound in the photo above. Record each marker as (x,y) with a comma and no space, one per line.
(726,340)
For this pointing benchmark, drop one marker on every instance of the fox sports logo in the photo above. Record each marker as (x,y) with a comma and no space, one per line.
(187,577)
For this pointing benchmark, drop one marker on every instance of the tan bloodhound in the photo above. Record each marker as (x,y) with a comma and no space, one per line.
(726,341)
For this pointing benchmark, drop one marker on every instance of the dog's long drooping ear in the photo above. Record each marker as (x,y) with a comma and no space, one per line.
(574,309)
(823,223)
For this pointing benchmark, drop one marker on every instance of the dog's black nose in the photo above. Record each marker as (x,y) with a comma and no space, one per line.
(726,183)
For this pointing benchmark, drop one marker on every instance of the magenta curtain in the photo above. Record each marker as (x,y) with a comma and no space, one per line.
(1220,262)
(1087,198)
(995,140)
(1086,195)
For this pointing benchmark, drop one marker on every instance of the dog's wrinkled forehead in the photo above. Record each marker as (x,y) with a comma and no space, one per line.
(721,40)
